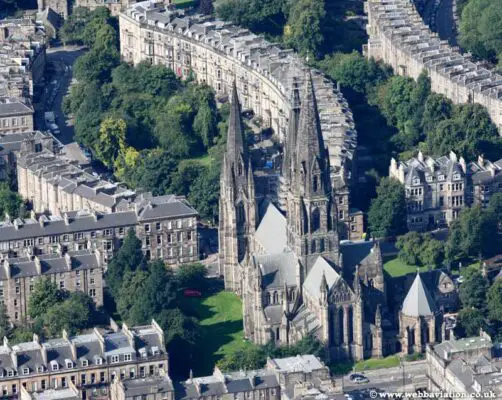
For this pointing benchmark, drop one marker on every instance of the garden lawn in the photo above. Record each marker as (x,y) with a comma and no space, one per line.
(376,363)
(396,267)
(184,3)
(220,317)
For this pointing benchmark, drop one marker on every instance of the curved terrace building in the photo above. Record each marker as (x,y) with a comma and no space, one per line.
(398,36)
(218,53)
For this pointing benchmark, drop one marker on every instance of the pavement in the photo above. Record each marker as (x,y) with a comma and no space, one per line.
(63,59)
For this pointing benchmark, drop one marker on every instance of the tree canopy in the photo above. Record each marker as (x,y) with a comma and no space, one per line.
(387,213)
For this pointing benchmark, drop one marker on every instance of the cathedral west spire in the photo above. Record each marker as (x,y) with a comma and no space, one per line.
(237,220)
(290,145)
(311,212)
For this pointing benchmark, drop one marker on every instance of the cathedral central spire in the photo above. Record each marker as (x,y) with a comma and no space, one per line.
(311,162)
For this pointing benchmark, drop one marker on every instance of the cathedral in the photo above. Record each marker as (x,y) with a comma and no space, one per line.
(286,261)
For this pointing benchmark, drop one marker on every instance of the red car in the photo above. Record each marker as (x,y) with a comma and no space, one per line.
(192,293)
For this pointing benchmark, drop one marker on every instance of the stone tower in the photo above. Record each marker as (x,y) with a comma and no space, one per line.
(290,145)
(311,211)
(237,200)
(417,319)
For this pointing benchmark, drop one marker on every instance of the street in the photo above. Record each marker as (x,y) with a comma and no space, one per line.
(389,379)
(61,58)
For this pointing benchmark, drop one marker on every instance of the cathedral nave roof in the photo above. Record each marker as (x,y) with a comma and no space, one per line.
(277,269)
(321,267)
(271,233)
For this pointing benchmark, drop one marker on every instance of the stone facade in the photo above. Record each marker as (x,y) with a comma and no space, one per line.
(467,367)
(288,265)
(90,361)
(73,271)
(158,387)
(22,57)
(398,36)
(16,115)
(115,6)
(438,189)
(218,53)
(60,7)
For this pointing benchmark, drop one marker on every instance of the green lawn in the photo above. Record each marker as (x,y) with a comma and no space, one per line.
(205,161)
(220,316)
(396,267)
(184,3)
(376,363)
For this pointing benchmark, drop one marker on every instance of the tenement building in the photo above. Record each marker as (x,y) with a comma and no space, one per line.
(157,387)
(282,378)
(16,115)
(72,271)
(22,57)
(218,53)
(89,362)
(466,367)
(398,36)
(438,189)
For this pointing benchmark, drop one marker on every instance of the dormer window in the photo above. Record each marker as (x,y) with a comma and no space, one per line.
(115,359)
(441,178)
(69,364)
(54,366)
(155,351)
(10,372)
(416,181)
(40,368)
(456,177)
(85,363)
(142,352)
(26,371)
(127,357)
(99,361)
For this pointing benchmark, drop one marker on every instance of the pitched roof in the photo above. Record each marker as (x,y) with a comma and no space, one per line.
(418,301)
(313,281)
(271,232)
(277,269)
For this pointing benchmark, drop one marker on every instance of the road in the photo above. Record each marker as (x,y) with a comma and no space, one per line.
(389,380)
(63,59)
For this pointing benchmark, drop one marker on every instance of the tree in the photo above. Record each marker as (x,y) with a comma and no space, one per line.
(4,322)
(387,213)
(204,193)
(112,140)
(473,234)
(473,291)
(45,294)
(249,358)
(129,258)
(72,315)
(206,7)
(495,209)
(155,172)
(437,108)
(409,246)
(131,289)
(432,252)
(192,276)
(355,71)
(304,30)
(469,322)
(494,300)
(10,202)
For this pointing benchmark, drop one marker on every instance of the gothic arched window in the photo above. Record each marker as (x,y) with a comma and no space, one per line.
(315,184)
(241,216)
(239,168)
(269,299)
(313,247)
(321,245)
(315,222)
(276,298)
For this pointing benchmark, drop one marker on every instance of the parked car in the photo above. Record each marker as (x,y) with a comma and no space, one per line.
(192,293)
(358,378)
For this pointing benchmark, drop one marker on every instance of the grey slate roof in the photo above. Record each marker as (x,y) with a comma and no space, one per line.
(418,301)
(145,386)
(271,233)
(277,269)
(313,281)
(13,106)
(50,264)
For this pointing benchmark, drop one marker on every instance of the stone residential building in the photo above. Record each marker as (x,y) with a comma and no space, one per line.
(466,367)
(69,393)
(115,6)
(90,362)
(16,115)
(10,145)
(218,53)
(398,36)
(166,225)
(438,189)
(282,378)
(159,387)
(22,57)
(72,271)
